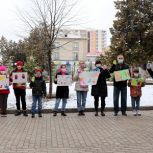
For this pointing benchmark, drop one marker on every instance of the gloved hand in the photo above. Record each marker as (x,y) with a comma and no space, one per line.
(32,79)
(114,62)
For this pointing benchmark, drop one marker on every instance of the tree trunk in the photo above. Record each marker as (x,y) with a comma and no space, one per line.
(50,73)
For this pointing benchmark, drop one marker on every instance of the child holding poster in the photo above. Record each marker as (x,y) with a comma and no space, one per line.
(4,90)
(38,86)
(19,88)
(135,84)
(62,92)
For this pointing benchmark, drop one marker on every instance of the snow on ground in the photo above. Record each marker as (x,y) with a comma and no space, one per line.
(146,100)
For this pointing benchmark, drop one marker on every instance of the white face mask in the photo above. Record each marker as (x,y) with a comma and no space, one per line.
(120,61)
(98,65)
(136,74)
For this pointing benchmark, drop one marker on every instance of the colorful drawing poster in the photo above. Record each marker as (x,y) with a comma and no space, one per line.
(19,77)
(64,80)
(136,82)
(89,78)
(4,82)
(122,75)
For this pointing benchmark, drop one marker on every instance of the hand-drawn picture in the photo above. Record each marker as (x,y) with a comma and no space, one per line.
(122,75)
(64,80)
(19,77)
(89,78)
(4,82)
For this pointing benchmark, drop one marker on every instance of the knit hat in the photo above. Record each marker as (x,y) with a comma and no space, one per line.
(98,62)
(38,70)
(19,63)
(136,70)
(3,68)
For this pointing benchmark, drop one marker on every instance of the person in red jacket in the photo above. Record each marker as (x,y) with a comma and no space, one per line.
(20,90)
(4,91)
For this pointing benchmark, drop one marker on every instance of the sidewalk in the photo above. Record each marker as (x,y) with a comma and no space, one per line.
(75,134)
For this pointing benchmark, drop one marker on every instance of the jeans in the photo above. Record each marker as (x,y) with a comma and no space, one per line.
(135,103)
(96,103)
(64,102)
(81,100)
(35,99)
(20,94)
(117,91)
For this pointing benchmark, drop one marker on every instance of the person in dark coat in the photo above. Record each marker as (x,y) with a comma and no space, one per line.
(100,89)
(38,86)
(120,86)
(62,92)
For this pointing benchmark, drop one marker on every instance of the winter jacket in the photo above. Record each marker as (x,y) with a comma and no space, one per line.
(78,87)
(119,67)
(100,89)
(61,91)
(16,85)
(38,87)
(135,91)
(150,72)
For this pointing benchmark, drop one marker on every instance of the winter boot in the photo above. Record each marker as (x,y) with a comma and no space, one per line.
(25,113)
(33,115)
(102,113)
(55,113)
(40,114)
(17,113)
(63,113)
(79,113)
(82,113)
(96,113)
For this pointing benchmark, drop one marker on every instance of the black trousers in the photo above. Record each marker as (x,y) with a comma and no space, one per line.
(20,95)
(3,103)
(97,103)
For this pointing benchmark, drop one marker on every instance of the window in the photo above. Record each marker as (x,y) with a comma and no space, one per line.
(55,56)
(76,46)
(75,56)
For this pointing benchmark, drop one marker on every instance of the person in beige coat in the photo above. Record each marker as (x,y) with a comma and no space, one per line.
(81,90)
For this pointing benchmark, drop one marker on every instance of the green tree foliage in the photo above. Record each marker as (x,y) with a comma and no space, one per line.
(132,32)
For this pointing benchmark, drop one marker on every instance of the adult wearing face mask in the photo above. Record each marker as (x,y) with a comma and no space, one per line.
(120,87)
(81,90)
(100,89)
(62,92)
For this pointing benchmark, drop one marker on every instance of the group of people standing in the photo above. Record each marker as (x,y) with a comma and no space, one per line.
(98,91)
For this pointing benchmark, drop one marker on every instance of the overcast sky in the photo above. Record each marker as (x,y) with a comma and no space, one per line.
(98,14)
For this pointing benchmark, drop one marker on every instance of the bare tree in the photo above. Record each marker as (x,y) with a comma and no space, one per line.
(51,16)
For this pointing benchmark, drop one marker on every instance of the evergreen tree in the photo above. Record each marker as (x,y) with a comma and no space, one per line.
(132,32)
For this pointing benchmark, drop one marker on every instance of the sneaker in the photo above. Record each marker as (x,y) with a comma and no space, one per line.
(55,113)
(33,115)
(134,113)
(63,114)
(17,113)
(25,113)
(96,113)
(138,113)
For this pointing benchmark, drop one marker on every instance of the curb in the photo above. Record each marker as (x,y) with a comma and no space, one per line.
(74,110)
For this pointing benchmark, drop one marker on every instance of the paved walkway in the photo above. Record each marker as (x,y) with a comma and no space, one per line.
(74,134)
